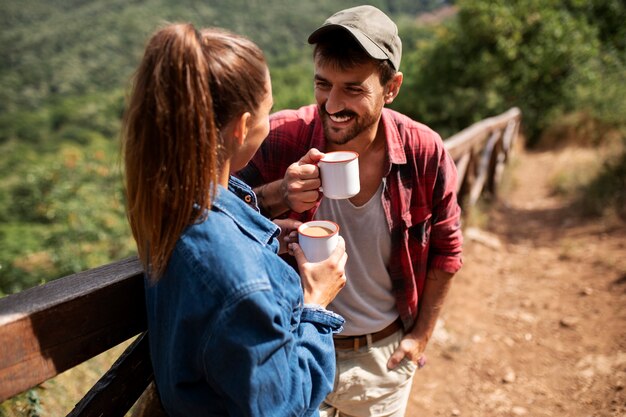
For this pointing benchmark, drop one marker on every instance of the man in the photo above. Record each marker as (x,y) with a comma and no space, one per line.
(402,230)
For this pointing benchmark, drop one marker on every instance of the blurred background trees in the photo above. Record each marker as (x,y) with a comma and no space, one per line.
(66,66)
(548,57)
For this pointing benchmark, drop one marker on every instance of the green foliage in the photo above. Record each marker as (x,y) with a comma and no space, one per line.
(34,404)
(63,213)
(26,404)
(65,70)
(538,55)
(293,89)
(75,118)
(60,49)
(59,56)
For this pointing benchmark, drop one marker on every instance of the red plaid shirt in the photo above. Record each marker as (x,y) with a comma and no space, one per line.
(419,199)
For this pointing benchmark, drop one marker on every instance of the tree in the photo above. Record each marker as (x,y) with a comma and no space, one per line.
(495,55)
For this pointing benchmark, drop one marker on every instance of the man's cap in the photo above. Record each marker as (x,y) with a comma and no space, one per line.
(371,28)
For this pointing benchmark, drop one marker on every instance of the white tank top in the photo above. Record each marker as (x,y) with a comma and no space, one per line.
(366,302)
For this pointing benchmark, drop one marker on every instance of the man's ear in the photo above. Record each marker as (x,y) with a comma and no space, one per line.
(240,130)
(393,87)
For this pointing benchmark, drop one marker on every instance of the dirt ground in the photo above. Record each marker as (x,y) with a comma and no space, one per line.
(535,324)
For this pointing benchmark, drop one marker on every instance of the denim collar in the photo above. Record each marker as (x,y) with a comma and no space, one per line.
(240,204)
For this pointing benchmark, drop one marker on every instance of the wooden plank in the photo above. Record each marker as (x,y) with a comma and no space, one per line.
(510,134)
(481,135)
(498,169)
(466,141)
(121,386)
(476,134)
(461,169)
(48,329)
(483,167)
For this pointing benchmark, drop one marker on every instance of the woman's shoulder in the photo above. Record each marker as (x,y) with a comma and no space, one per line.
(217,254)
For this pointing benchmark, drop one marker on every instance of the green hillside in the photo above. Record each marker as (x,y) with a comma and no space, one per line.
(55,49)
(64,73)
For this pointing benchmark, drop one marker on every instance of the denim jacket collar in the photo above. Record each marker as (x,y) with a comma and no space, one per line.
(240,204)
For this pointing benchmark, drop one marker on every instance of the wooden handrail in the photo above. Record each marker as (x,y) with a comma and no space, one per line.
(480,152)
(53,327)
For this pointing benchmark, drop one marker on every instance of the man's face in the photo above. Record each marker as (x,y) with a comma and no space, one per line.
(350,101)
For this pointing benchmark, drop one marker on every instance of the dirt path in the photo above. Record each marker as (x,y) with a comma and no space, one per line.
(535,324)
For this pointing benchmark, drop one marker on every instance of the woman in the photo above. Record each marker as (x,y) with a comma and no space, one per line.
(232,332)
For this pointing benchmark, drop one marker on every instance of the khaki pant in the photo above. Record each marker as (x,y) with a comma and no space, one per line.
(364,387)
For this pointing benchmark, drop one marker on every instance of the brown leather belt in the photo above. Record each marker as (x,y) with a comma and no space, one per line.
(355,342)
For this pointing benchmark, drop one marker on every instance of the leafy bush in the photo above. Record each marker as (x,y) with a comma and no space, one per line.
(543,56)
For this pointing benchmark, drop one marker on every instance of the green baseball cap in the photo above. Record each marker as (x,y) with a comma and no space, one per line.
(371,28)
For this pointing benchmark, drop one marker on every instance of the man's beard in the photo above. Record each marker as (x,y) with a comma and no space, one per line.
(359,124)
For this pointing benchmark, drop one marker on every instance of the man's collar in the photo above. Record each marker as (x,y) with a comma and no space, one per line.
(395,147)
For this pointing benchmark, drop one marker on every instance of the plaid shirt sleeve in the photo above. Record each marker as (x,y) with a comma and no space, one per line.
(432,177)
(446,239)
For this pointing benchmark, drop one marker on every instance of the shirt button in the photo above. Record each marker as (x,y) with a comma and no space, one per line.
(248,198)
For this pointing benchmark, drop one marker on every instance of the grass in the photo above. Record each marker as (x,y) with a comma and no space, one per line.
(596,174)
(581,165)
(595,179)
(607,192)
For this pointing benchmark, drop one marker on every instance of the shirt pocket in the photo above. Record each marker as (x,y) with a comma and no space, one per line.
(417,221)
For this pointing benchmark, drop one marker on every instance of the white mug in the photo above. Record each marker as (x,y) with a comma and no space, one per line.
(339,172)
(318,239)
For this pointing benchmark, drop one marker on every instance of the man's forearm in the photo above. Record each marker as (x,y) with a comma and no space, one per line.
(436,288)
(270,199)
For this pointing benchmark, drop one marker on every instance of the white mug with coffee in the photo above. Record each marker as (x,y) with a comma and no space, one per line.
(318,239)
(339,172)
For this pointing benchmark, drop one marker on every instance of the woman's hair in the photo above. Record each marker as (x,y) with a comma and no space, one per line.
(188,86)
(340,50)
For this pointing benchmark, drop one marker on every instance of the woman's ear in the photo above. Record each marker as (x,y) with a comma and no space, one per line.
(241,128)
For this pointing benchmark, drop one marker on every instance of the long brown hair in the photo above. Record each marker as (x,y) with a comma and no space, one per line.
(189,85)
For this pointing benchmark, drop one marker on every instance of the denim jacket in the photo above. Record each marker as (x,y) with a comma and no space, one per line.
(229,334)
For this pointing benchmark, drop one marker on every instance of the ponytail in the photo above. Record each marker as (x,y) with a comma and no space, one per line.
(170,144)
(188,85)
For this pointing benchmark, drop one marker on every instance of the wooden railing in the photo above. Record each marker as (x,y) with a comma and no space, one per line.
(480,153)
(48,329)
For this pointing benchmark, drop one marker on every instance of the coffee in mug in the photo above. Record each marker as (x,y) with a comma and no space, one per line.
(318,239)
(318,231)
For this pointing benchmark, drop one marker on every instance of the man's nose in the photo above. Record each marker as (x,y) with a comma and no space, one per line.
(334,101)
